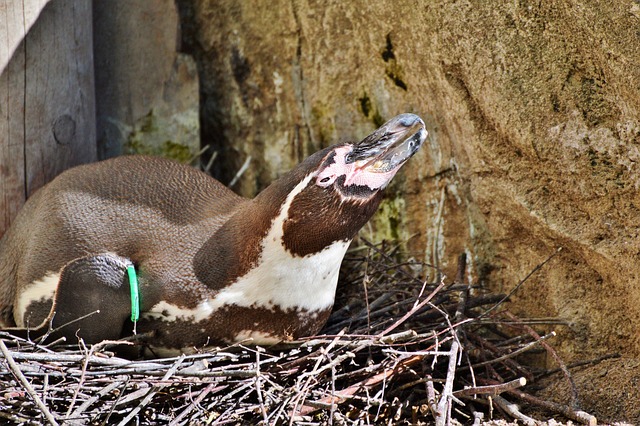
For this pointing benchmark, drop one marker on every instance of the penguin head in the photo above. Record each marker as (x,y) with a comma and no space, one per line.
(358,171)
(344,186)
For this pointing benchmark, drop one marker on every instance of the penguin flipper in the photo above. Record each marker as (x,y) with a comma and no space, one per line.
(92,301)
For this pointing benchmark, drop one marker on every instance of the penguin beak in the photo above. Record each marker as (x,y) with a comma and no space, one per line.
(389,146)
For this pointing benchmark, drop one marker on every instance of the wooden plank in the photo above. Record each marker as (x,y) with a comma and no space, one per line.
(16,17)
(59,92)
(47,102)
(12,188)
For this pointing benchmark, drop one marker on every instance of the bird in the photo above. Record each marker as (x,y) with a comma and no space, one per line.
(198,263)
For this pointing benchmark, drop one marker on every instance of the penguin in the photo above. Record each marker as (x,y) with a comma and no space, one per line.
(210,267)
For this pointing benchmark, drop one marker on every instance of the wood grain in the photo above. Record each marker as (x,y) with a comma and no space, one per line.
(47,102)
(16,17)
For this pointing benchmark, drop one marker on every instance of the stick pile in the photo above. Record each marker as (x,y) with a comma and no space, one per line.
(410,351)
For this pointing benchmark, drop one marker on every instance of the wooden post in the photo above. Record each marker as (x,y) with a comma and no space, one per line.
(47,102)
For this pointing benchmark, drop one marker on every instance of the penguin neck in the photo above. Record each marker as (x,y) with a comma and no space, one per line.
(238,245)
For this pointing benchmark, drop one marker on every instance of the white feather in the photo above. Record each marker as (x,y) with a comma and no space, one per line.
(41,290)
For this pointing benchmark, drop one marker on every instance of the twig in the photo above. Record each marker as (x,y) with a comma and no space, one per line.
(402,336)
(199,154)
(507,362)
(18,419)
(517,352)
(197,401)
(25,383)
(115,403)
(346,394)
(332,409)
(19,340)
(431,398)
(566,411)
(241,171)
(391,261)
(478,417)
(491,389)
(365,284)
(413,310)
(555,356)
(85,364)
(338,360)
(444,405)
(258,384)
(86,404)
(211,160)
(303,393)
(513,410)
(51,330)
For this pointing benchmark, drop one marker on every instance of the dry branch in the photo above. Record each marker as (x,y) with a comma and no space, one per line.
(491,390)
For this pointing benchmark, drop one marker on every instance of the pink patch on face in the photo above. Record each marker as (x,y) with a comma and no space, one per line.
(353,174)
(373,180)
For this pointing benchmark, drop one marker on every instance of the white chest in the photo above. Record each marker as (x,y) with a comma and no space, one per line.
(289,282)
(284,280)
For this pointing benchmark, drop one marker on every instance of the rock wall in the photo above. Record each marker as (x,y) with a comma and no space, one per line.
(533,110)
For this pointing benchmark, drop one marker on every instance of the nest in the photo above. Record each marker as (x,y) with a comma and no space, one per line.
(409,352)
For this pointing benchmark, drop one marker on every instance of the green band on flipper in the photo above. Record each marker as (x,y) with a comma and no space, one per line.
(135,297)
